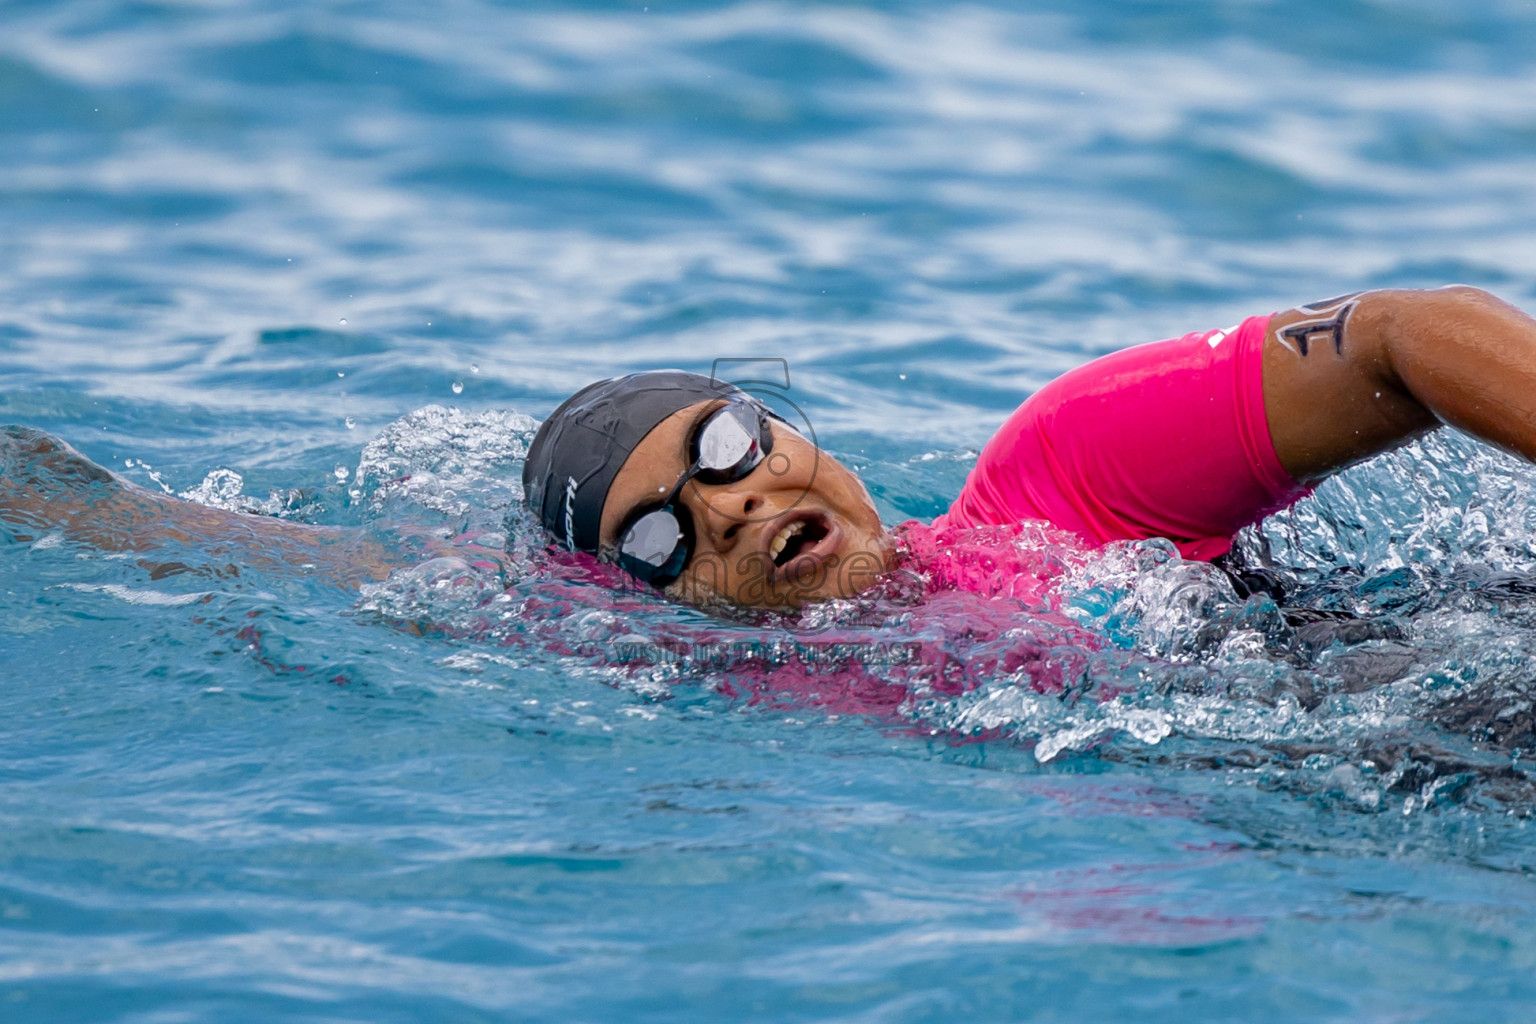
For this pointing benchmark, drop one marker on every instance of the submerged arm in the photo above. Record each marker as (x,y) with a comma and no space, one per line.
(47,487)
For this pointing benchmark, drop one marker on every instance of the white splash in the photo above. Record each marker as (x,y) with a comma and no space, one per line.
(450,461)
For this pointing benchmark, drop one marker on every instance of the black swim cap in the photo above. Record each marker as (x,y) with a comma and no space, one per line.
(581,447)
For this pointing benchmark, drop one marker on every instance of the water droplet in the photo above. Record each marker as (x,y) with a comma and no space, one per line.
(343,321)
(341,373)
(474,367)
(128,463)
(902,376)
(458,387)
(351,423)
(342,472)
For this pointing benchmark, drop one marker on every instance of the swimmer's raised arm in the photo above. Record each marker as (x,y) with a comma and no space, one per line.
(46,487)
(1349,377)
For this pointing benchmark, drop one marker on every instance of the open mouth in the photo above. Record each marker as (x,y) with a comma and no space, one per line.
(797,538)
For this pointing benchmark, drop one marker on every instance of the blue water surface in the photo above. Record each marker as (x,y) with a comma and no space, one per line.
(276,256)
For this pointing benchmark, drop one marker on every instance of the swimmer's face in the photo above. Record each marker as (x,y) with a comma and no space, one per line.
(800,527)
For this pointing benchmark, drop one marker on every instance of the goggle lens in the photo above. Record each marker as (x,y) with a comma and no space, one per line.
(729,444)
(653,538)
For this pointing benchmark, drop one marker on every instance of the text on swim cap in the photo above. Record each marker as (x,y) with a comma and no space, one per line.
(570,527)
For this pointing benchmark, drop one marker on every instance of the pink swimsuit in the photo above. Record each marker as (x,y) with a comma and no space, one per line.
(1162,440)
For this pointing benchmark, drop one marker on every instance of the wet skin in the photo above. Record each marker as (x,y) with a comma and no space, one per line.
(46,487)
(836,544)
(1396,365)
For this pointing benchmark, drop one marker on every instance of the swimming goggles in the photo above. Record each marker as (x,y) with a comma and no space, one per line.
(656,540)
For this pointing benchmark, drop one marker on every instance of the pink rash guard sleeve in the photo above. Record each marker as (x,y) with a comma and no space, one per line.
(1167,439)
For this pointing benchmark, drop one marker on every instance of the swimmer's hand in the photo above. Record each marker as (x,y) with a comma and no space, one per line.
(48,488)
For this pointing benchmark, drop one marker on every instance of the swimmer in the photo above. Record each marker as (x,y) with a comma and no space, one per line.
(699,492)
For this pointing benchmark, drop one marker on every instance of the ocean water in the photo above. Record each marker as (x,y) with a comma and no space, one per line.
(330,263)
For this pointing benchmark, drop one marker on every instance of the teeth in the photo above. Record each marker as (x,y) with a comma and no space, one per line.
(781,539)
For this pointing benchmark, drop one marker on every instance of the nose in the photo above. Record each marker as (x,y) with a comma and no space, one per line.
(722,511)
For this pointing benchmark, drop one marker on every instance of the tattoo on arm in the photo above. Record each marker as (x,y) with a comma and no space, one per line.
(1326,324)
